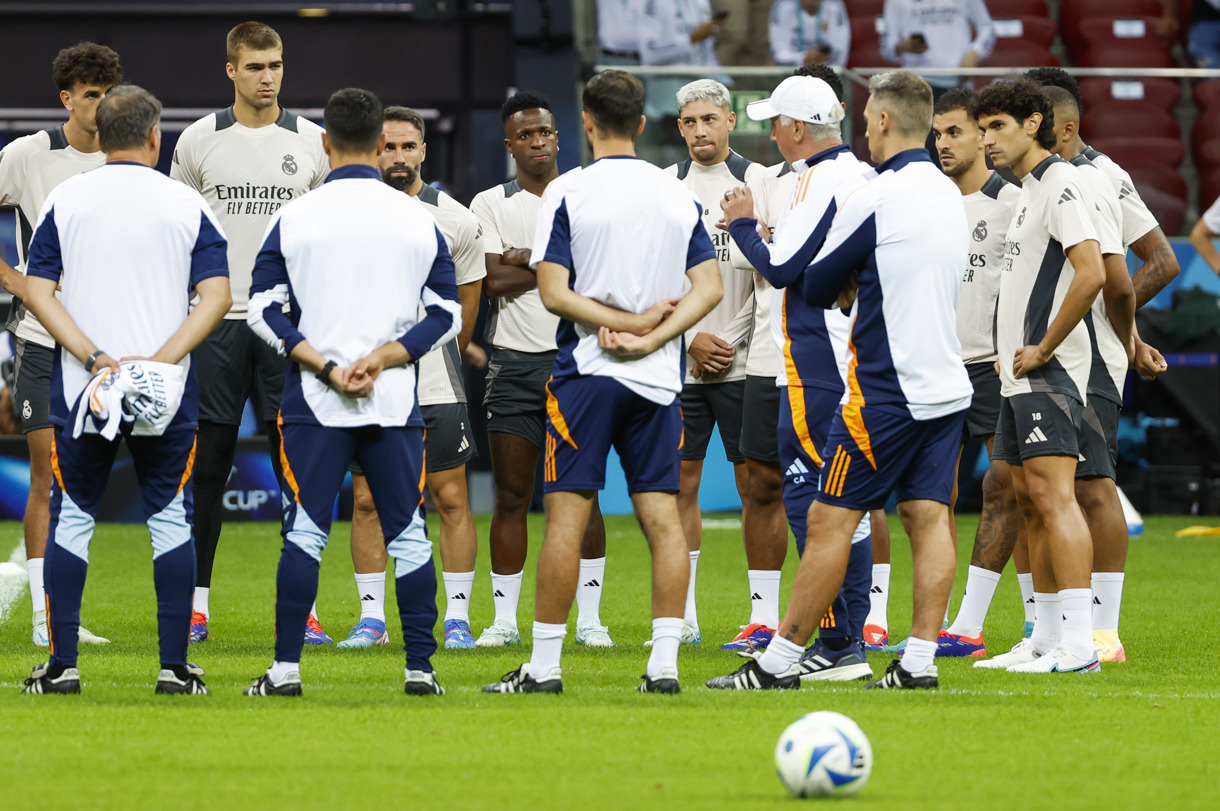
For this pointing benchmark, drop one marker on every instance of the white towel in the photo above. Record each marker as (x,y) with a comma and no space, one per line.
(144,392)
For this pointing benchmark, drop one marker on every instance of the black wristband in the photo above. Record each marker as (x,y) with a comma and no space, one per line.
(324,374)
(92,360)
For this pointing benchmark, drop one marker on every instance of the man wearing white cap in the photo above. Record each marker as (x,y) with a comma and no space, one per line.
(805,116)
(901,418)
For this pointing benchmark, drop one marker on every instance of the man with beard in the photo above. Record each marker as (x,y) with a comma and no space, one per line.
(448,440)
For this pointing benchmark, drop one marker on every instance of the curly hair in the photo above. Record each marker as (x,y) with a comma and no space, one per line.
(1057,77)
(1020,99)
(86,63)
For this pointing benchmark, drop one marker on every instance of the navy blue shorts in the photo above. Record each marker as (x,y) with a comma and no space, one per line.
(873,451)
(586,416)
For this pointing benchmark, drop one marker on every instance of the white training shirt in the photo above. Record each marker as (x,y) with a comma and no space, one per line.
(618,26)
(947,28)
(905,235)
(440,371)
(733,318)
(988,213)
(1138,221)
(519,322)
(793,31)
(665,29)
(128,244)
(357,257)
(1052,216)
(626,262)
(764,353)
(1108,371)
(246,175)
(30,167)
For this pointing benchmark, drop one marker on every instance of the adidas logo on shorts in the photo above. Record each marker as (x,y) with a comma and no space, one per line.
(1035,435)
(797,468)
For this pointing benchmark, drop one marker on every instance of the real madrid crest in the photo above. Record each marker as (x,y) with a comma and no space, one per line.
(1021,217)
(980,231)
(289,165)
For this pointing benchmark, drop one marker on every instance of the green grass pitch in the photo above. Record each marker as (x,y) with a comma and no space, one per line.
(1138,735)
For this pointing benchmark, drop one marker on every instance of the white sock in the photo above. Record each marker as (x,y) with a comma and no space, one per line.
(980,588)
(458,586)
(666,633)
(919,654)
(1026,582)
(780,655)
(764,597)
(879,596)
(200,601)
(1077,633)
(1107,599)
(1048,622)
(313,610)
(589,590)
(279,670)
(371,588)
(506,593)
(692,614)
(38,597)
(548,647)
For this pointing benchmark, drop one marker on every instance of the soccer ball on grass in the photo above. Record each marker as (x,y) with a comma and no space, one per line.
(823,754)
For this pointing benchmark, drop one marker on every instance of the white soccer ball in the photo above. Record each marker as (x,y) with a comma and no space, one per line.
(823,754)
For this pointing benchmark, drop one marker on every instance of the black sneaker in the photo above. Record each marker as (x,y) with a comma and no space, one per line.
(752,677)
(420,683)
(896,677)
(182,680)
(666,683)
(45,680)
(519,681)
(290,685)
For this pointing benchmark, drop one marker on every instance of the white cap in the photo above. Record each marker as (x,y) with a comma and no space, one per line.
(803,98)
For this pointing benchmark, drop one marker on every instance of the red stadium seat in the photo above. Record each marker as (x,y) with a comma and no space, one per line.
(867,55)
(1152,175)
(1119,54)
(1207,95)
(1073,12)
(863,30)
(1019,53)
(1041,30)
(1209,190)
(1017,8)
(1169,211)
(1123,150)
(865,8)
(1164,93)
(1130,119)
(1095,31)
(1205,141)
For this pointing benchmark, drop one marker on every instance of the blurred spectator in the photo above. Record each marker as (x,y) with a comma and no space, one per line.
(1203,38)
(618,32)
(809,32)
(675,32)
(937,34)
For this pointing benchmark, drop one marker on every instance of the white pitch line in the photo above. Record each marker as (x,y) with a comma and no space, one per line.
(12,586)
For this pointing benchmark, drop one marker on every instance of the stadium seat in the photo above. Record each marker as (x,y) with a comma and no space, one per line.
(1205,141)
(1119,54)
(1019,53)
(865,8)
(1207,96)
(1095,31)
(1209,190)
(1124,150)
(867,55)
(1153,175)
(1005,9)
(863,30)
(1041,30)
(1169,211)
(1164,93)
(1131,119)
(1073,12)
